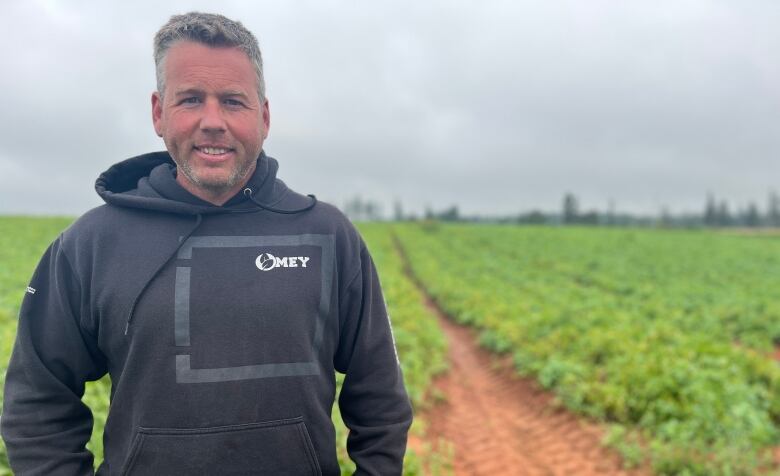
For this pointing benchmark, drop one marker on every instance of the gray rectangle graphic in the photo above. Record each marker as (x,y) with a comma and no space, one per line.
(184,372)
(182,307)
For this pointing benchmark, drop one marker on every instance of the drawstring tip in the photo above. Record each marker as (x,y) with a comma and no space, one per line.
(127,327)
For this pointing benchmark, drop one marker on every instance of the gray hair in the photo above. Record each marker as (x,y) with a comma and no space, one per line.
(211,30)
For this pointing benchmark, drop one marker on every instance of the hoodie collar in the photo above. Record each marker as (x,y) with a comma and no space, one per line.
(149,182)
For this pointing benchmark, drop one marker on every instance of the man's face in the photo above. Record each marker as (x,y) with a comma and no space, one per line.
(210,118)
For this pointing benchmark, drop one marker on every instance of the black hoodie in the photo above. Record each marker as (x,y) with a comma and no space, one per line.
(220,327)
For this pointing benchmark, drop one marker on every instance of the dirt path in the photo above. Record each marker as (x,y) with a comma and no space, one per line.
(501,424)
(497,423)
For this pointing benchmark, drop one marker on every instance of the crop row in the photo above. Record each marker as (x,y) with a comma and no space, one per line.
(665,335)
(420,343)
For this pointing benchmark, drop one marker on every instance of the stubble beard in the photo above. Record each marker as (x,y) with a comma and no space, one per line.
(217,187)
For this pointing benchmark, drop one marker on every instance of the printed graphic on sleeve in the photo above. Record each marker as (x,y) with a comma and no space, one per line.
(242,290)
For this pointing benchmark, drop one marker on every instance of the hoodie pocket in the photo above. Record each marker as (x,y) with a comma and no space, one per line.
(279,447)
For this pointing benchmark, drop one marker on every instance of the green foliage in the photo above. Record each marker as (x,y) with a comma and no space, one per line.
(664,333)
(627,442)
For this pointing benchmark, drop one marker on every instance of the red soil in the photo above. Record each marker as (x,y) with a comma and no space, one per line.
(498,423)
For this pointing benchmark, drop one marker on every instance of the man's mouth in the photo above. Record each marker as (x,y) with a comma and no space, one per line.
(213,150)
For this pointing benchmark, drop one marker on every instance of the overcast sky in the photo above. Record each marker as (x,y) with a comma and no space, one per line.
(495,106)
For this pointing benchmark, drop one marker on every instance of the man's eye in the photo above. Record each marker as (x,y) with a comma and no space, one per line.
(233,102)
(191,100)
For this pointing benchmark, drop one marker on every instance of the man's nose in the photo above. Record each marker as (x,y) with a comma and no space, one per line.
(212,119)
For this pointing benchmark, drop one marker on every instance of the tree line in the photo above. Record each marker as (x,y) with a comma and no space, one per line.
(715,213)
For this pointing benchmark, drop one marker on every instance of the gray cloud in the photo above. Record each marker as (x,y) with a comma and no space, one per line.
(497,107)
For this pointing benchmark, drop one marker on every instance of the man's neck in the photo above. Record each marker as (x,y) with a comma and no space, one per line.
(215,197)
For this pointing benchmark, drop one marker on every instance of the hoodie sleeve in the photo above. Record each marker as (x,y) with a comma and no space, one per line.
(373,400)
(44,424)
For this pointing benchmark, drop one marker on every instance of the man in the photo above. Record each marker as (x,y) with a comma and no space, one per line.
(218,300)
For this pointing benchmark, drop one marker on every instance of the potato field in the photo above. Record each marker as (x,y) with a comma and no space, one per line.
(666,339)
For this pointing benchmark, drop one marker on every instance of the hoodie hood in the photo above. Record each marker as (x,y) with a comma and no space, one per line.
(148,182)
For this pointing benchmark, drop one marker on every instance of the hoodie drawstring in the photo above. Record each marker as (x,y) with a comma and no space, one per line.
(249,192)
(198,221)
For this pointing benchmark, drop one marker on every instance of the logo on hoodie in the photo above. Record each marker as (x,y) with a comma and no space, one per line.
(267,262)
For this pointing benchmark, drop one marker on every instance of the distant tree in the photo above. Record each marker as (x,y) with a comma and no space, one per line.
(665,217)
(710,211)
(723,215)
(570,208)
(353,208)
(589,218)
(751,216)
(773,210)
(398,211)
(534,217)
(610,218)
(371,210)
(358,209)
(450,214)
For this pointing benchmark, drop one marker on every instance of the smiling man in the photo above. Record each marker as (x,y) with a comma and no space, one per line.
(219,301)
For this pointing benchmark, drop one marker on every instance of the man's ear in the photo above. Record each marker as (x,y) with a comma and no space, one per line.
(266,119)
(157,110)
